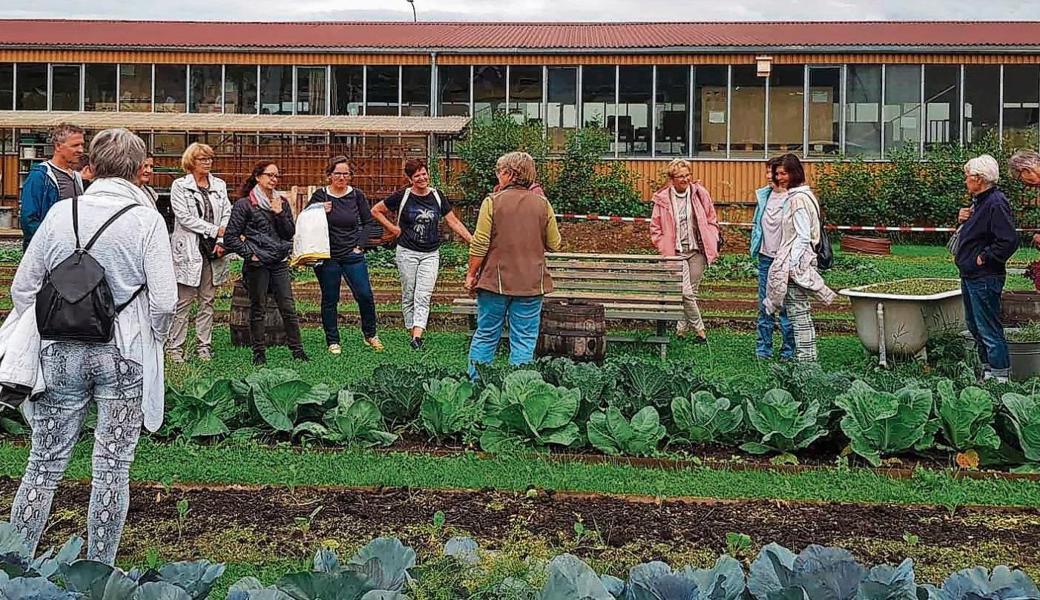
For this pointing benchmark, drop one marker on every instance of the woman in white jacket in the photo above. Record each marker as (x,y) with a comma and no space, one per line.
(201,210)
(124,377)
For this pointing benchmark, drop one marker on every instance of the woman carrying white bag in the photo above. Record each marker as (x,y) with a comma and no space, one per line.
(347,216)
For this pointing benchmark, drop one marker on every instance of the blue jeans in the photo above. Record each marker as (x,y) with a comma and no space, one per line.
(525,319)
(767,322)
(354,269)
(982,314)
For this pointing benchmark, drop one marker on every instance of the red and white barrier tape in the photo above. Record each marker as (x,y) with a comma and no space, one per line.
(881,228)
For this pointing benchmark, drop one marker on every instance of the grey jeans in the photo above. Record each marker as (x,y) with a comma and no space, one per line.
(186,294)
(77,374)
(418,272)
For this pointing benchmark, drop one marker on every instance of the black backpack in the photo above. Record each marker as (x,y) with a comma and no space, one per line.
(75,302)
(824,253)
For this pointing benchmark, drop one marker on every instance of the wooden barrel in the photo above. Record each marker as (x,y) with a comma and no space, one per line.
(573,329)
(1019,308)
(866,245)
(239,319)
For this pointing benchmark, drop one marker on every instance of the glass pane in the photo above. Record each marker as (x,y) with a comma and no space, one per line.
(170,88)
(863,111)
(942,85)
(1021,105)
(635,86)
(276,90)
(824,111)
(525,93)
(453,94)
(902,113)
(671,117)
(598,98)
(100,88)
(748,126)
(562,108)
(6,86)
(786,109)
(382,91)
(710,91)
(310,90)
(347,88)
(205,89)
(981,101)
(32,86)
(65,87)
(489,90)
(415,91)
(135,88)
(240,95)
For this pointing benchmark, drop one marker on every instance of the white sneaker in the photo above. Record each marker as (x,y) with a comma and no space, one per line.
(335,349)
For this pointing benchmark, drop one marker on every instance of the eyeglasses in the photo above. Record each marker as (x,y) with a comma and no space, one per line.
(272,175)
(340,174)
(206,160)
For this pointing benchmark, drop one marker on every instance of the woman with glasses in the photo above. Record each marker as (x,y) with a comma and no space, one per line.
(348,214)
(261,230)
(683,223)
(201,210)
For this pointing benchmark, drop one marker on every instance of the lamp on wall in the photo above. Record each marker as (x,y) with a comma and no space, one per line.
(763,65)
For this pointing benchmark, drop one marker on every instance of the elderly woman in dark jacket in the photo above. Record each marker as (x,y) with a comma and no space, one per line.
(261,230)
(987,240)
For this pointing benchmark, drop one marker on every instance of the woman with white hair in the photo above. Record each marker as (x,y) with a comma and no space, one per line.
(1025,167)
(987,240)
(122,376)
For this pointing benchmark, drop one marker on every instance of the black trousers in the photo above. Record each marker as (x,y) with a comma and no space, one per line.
(259,280)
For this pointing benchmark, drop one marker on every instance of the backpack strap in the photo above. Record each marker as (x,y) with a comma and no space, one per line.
(120,307)
(75,215)
(98,233)
(437,196)
(404,200)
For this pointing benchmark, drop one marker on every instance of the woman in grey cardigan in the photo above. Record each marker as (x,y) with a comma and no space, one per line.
(124,377)
(201,210)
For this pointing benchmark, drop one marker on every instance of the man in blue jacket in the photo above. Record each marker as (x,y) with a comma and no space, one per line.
(51,181)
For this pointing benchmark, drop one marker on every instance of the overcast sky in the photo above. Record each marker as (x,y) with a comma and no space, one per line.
(526,10)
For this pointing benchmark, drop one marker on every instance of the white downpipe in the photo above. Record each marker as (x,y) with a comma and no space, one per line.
(882,358)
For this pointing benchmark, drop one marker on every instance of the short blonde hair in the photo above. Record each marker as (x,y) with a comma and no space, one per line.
(985,167)
(1024,160)
(193,153)
(520,164)
(675,165)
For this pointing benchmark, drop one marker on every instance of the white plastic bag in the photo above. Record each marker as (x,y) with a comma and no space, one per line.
(311,242)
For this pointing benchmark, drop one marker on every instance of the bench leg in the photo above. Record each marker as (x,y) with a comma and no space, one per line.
(662,331)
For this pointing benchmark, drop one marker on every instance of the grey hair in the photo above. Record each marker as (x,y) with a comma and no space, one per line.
(1024,160)
(985,167)
(62,132)
(117,153)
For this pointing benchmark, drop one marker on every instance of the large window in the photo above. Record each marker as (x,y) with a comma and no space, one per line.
(240,94)
(310,90)
(6,86)
(942,84)
(1021,105)
(824,111)
(383,84)
(710,110)
(32,86)
(786,109)
(415,91)
(863,111)
(489,90)
(206,82)
(453,86)
(635,101)
(348,88)
(65,87)
(902,113)
(599,98)
(747,129)
(276,90)
(671,114)
(525,93)
(99,88)
(981,101)
(561,110)
(171,92)
(135,88)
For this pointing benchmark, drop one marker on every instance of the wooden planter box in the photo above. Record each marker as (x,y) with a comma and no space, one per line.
(866,245)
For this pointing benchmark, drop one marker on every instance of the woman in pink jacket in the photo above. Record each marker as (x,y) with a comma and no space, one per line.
(684,224)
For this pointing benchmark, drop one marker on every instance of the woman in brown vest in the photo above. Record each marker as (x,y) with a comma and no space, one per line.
(507,267)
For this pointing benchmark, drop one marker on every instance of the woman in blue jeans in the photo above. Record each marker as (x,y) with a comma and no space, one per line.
(765,241)
(987,240)
(348,214)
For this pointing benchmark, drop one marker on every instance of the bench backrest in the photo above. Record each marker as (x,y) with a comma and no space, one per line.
(632,279)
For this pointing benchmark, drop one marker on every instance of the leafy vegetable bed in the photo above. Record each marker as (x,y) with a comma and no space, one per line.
(914,287)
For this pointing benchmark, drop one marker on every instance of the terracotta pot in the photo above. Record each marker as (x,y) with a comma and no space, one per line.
(866,245)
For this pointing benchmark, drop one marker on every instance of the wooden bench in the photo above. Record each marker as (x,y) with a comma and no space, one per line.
(632,287)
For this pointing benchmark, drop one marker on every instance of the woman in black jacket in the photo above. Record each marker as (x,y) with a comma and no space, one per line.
(348,214)
(261,230)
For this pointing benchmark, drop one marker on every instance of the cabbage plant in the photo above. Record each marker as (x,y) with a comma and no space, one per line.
(528,412)
(449,409)
(701,418)
(611,433)
(202,408)
(783,424)
(966,419)
(1024,415)
(880,423)
(277,396)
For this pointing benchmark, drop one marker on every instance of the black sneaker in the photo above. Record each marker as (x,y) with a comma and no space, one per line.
(301,356)
(417,343)
(259,358)
(700,339)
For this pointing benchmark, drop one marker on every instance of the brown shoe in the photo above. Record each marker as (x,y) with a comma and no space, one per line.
(374,343)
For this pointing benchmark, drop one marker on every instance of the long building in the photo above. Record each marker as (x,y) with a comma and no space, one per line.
(725,95)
